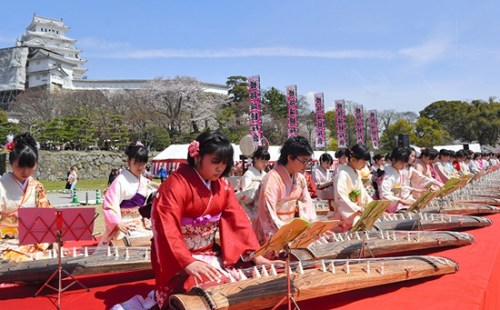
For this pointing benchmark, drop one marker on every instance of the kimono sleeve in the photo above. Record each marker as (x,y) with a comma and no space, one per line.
(344,186)
(236,233)
(111,204)
(172,251)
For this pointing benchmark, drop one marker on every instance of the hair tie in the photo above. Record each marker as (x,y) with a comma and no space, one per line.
(10,146)
(194,148)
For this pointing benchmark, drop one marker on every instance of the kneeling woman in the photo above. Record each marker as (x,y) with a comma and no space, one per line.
(190,207)
(18,189)
(351,196)
(124,197)
(284,194)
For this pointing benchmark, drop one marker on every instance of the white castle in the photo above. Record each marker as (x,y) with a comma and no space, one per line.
(44,57)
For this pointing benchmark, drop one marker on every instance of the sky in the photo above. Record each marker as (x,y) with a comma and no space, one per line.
(388,54)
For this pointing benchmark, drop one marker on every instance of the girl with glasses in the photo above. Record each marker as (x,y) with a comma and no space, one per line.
(284,194)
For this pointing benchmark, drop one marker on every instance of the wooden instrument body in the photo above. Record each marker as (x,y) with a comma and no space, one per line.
(464,209)
(102,260)
(347,275)
(430,221)
(380,243)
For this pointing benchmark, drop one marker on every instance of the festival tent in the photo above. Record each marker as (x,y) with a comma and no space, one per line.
(175,154)
(475,147)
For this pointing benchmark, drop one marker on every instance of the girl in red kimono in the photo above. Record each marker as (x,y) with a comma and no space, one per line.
(193,204)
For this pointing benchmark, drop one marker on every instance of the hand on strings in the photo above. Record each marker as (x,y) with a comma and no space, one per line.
(125,227)
(199,269)
(261,260)
(405,202)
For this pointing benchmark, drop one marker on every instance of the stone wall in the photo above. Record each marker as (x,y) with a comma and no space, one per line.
(91,165)
(54,165)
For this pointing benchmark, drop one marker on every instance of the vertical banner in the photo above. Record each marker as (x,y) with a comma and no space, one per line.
(341,123)
(360,124)
(373,125)
(320,119)
(291,101)
(255,119)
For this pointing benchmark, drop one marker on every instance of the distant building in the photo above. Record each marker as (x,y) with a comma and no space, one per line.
(45,57)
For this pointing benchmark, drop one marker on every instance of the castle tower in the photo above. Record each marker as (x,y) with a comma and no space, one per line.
(53,60)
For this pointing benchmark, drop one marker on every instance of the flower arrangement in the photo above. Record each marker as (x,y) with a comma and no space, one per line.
(194,148)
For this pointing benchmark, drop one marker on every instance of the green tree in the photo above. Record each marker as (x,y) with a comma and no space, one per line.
(238,88)
(429,133)
(389,137)
(452,115)
(275,104)
(7,127)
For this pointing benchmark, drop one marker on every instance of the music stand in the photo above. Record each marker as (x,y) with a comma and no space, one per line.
(370,215)
(50,225)
(297,233)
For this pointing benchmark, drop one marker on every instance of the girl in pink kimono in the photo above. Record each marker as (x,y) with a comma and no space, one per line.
(283,194)
(350,195)
(128,192)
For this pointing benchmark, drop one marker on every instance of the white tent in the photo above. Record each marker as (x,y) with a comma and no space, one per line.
(475,147)
(175,154)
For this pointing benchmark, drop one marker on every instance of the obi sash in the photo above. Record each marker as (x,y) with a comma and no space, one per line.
(199,232)
(137,200)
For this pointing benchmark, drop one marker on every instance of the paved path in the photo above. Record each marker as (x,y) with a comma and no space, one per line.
(60,199)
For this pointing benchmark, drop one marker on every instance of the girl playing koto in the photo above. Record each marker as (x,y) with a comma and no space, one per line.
(284,194)
(193,204)
(128,192)
(18,189)
(350,194)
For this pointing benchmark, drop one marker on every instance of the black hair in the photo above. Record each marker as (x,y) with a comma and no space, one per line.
(358,151)
(444,152)
(24,151)
(261,153)
(378,157)
(295,147)
(400,154)
(214,142)
(326,157)
(340,152)
(138,152)
(429,153)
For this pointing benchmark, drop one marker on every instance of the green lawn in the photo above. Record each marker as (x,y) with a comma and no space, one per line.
(82,184)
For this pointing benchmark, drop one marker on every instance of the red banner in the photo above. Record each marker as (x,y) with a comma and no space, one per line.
(373,125)
(341,123)
(320,119)
(291,100)
(360,124)
(255,119)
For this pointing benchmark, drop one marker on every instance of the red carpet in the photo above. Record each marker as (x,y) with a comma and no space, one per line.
(475,286)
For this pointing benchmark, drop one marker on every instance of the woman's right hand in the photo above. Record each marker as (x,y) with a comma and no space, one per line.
(124,227)
(199,269)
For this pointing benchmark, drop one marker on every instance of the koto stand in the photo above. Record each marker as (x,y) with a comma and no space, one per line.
(367,220)
(50,225)
(297,233)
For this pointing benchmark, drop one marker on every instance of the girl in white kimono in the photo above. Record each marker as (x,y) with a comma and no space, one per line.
(283,194)
(18,189)
(128,192)
(402,182)
(251,180)
(350,195)
(322,178)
